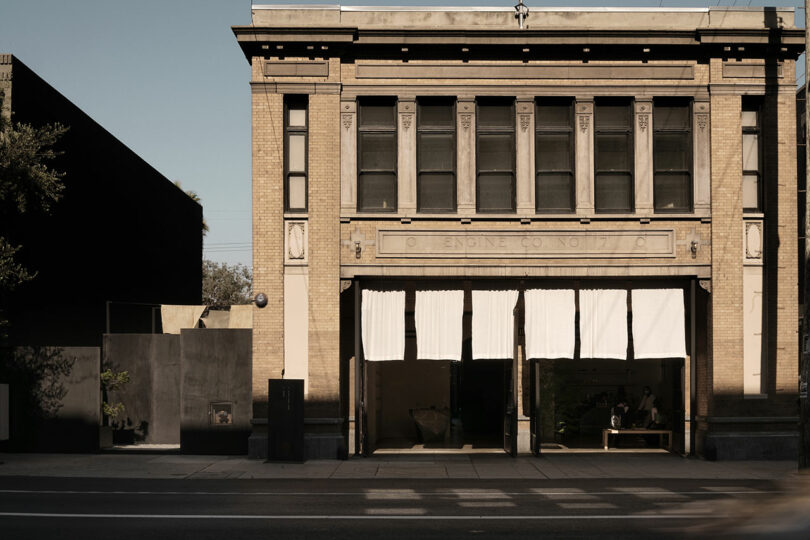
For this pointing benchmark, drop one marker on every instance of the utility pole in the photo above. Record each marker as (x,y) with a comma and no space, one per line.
(804,361)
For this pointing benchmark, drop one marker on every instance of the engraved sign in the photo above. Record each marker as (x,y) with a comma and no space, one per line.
(525,244)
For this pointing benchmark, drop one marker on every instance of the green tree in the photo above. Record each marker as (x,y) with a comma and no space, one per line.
(28,185)
(226,285)
(196,198)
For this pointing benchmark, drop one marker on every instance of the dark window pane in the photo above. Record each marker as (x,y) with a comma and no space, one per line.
(436,116)
(612,152)
(612,116)
(495,116)
(614,193)
(665,117)
(672,192)
(553,192)
(377,192)
(495,152)
(672,151)
(436,192)
(553,116)
(378,151)
(376,115)
(437,151)
(495,192)
(553,151)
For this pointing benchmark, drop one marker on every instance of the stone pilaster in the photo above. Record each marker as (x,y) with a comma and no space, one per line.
(406,157)
(465,129)
(348,156)
(584,156)
(643,144)
(525,156)
(702,155)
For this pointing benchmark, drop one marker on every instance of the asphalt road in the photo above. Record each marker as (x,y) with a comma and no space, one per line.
(66,508)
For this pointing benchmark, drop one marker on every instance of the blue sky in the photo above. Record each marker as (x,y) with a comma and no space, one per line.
(168,79)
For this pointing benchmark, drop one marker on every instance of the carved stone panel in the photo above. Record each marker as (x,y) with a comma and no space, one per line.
(295,242)
(603,244)
(753,240)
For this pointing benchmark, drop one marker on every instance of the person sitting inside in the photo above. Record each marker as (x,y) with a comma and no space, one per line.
(644,413)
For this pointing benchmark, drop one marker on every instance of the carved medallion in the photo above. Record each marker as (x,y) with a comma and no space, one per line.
(466,121)
(347,121)
(643,121)
(525,119)
(702,121)
(406,121)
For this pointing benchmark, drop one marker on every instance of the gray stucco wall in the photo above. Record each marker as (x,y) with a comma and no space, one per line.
(215,367)
(152,396)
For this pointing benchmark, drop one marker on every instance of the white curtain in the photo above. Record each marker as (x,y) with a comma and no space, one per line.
(383,325)
(659,323)
(493,324)
(438,324)
(550,316)
(603,323)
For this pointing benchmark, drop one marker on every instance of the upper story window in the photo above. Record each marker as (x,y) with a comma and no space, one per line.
(672,156)
(614,159)
(752,156)
(376,155)
(436,155)
(495,155)
(295,153)
(554,156)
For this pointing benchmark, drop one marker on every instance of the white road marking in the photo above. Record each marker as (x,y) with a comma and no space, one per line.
(277,517)
(459,493)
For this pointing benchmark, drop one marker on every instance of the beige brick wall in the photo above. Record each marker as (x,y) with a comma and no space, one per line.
(786,263)
(268,242)
(727,297)
(324,243)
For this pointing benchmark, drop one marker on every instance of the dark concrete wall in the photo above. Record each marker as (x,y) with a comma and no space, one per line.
(53,409)
(121,232)
(152,396)
(216,366)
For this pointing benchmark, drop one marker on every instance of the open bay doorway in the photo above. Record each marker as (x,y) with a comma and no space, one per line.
(417,405)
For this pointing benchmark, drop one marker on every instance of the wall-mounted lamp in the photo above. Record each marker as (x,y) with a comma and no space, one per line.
(693,247)
(357,250)
(260,300)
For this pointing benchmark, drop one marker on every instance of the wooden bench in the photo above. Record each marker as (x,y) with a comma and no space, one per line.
(606,433)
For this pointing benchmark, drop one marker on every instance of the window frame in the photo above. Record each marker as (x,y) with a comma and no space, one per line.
(296,99)
(629,131)
(555,130)
(751,105)
(689,154)
(420,129)
(369,100)
(512,131)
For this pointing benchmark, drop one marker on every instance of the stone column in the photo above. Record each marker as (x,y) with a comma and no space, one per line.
(406,156)
(584,156)
(643,142)
(525,156)
(702,157)
(348,156)
(465,140)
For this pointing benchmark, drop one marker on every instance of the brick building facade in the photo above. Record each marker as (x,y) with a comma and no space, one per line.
(434,149)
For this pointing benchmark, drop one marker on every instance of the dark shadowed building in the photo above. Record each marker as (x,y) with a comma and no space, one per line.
(122,233)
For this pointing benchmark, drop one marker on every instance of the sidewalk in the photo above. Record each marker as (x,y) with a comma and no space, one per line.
(559,466)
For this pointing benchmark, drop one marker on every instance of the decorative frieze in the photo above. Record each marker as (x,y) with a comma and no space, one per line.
(525,244)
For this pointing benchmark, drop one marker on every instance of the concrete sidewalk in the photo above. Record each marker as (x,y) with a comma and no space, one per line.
(558,466)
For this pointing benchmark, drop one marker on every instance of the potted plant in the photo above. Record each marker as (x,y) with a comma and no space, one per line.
(113,430)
